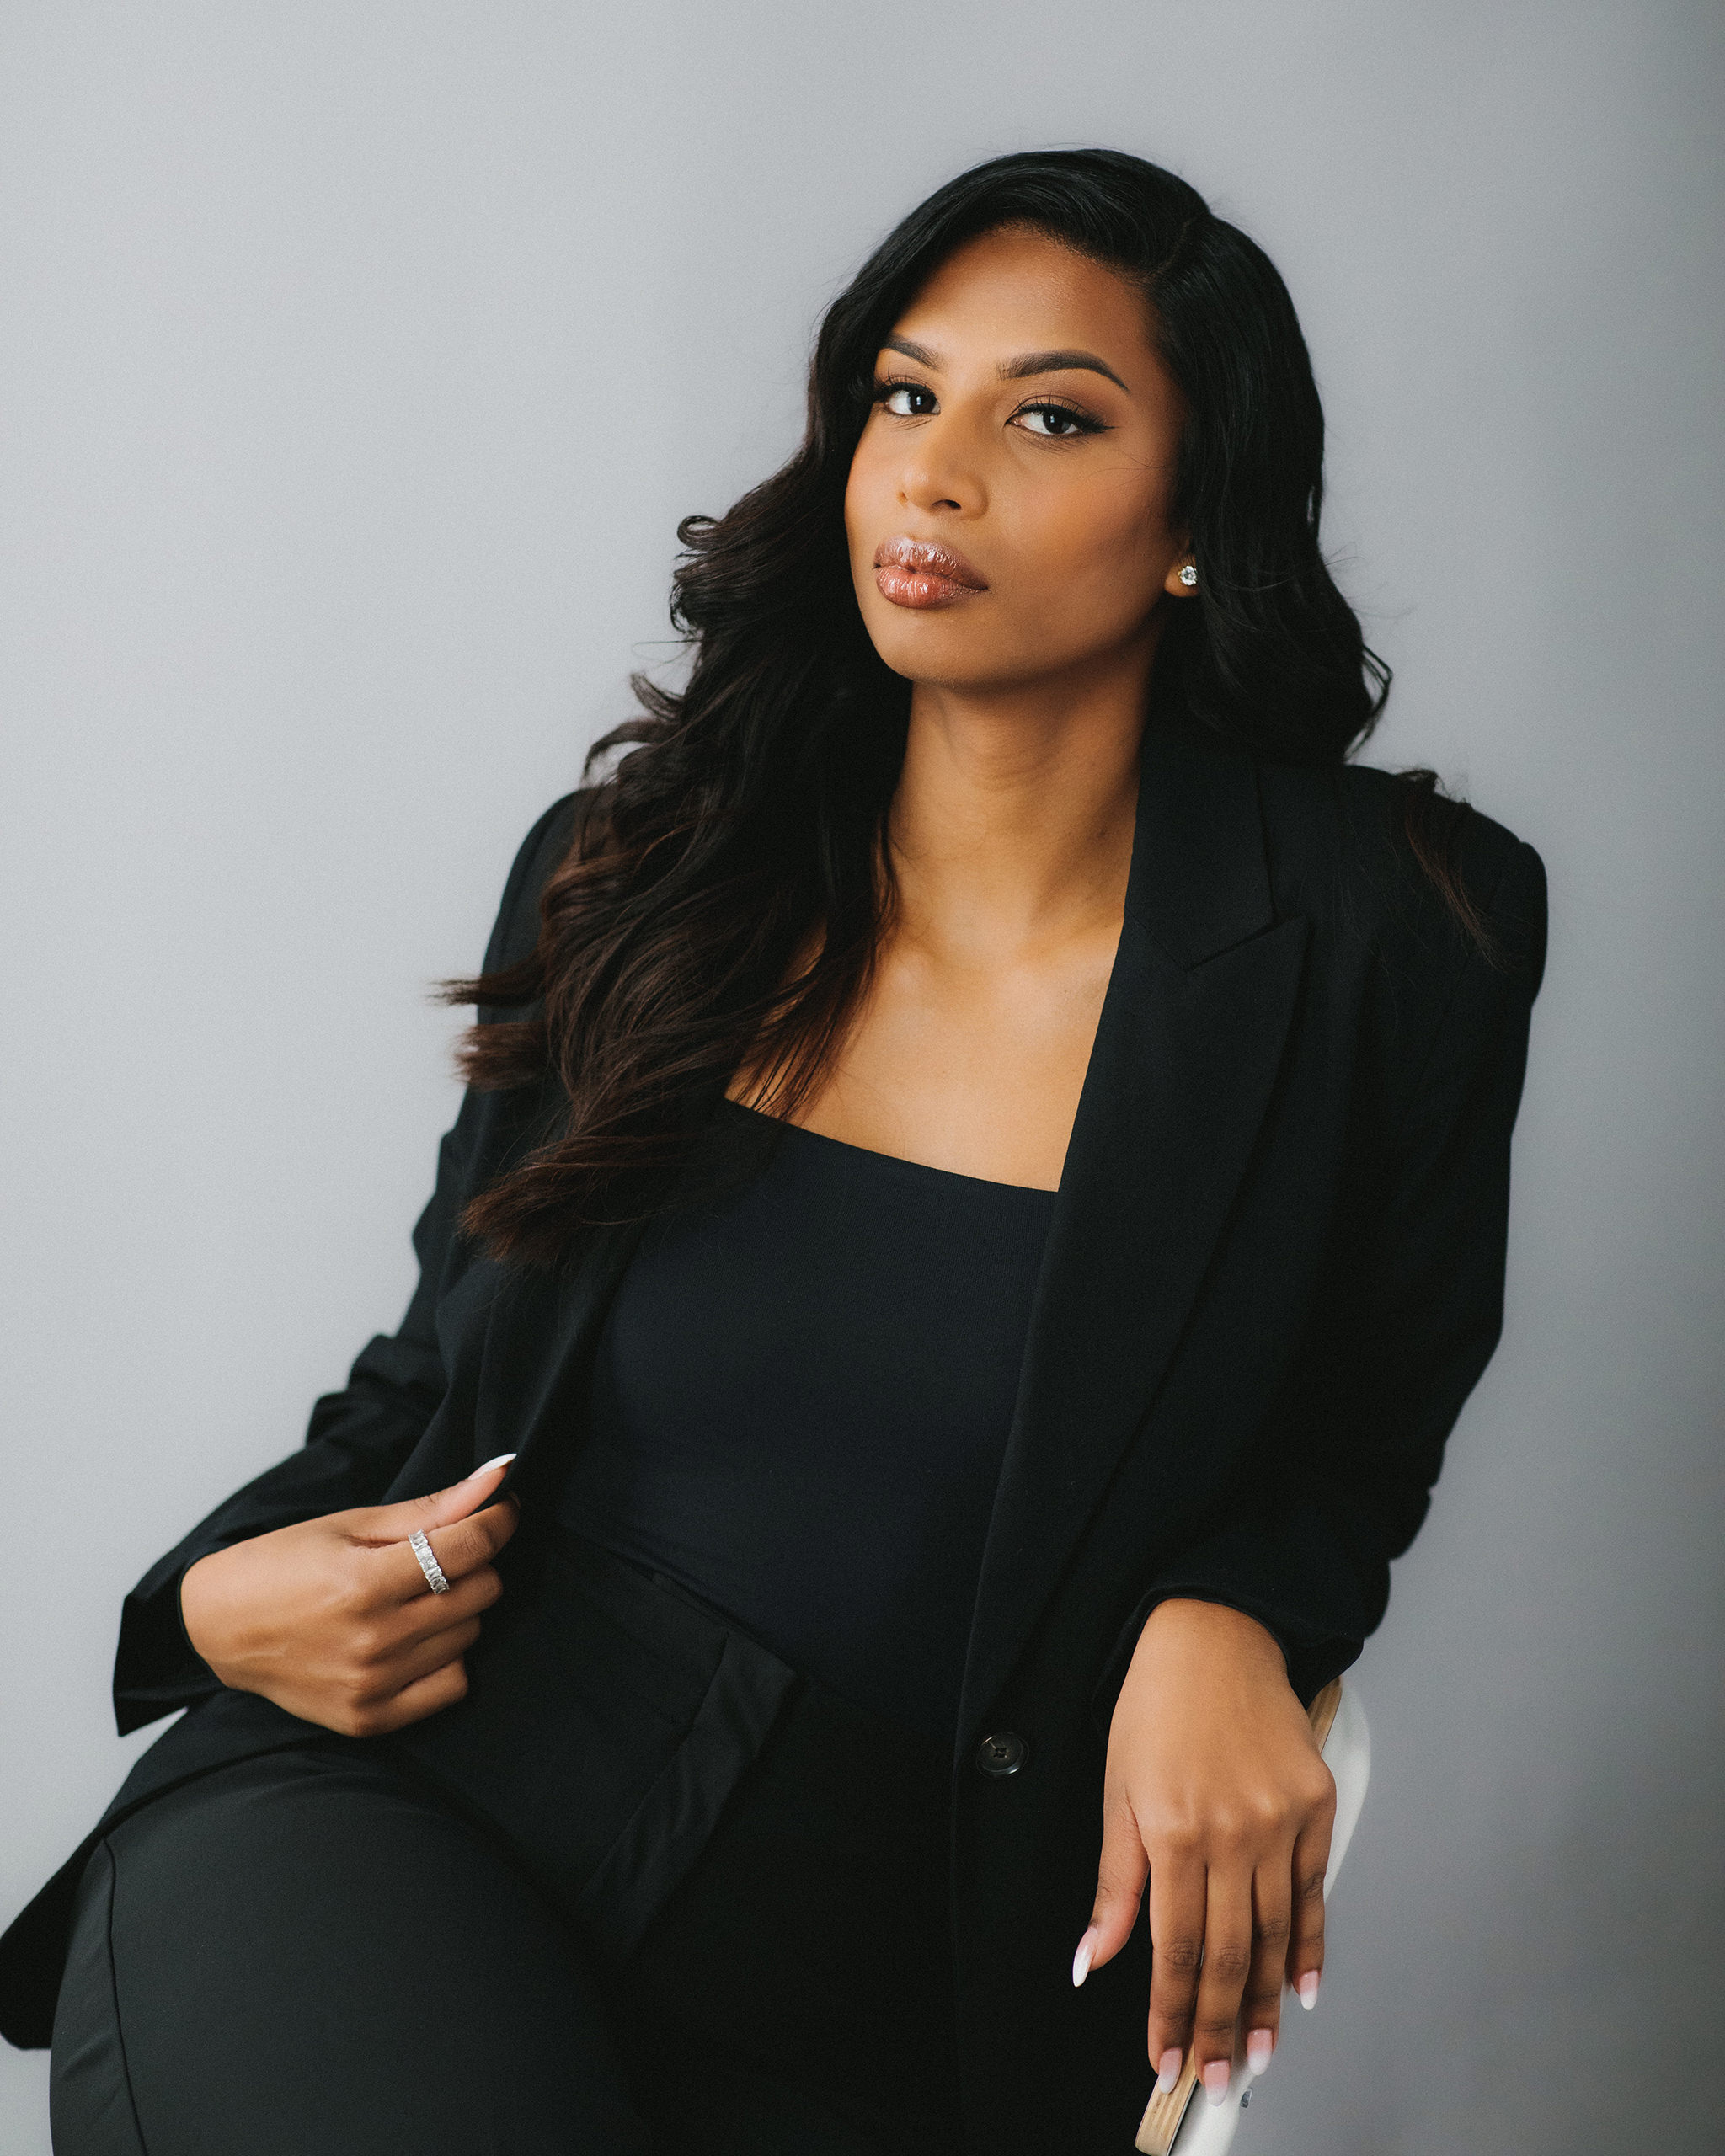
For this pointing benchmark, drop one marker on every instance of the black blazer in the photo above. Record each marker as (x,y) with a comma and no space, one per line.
(1274,1274)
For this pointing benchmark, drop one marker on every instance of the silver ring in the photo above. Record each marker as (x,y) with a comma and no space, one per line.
(427,1563)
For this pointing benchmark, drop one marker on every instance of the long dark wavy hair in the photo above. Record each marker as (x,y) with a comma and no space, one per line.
(745,824)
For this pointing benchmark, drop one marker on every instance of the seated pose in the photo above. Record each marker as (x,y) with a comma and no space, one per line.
(980,1195)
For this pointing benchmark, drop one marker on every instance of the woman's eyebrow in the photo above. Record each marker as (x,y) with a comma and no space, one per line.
(1055,363)
(1026,363)
(919,352)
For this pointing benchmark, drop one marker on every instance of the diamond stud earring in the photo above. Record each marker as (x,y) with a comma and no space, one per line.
(1188,576)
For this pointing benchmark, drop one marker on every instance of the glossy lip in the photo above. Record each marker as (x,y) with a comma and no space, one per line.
(919,572)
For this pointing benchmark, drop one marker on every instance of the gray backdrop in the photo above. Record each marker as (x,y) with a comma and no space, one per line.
(356,361)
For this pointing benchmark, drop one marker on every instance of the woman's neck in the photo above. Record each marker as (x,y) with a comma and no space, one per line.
(1011,823)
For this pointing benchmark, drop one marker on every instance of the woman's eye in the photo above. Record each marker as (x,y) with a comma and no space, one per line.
(908,400)
(1053,422)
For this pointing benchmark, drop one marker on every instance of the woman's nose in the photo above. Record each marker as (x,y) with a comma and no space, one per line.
(938,472)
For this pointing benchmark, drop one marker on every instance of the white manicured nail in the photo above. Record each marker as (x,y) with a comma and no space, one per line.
(1081,1960)
(1216,2077)
(1260,2047)
(502,1459)
(1167,2072)
(1308,1989)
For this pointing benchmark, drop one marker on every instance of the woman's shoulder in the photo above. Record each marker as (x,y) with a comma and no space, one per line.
(539,854)
(1389,866)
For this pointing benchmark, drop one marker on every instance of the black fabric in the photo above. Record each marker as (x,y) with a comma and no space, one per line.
(313,1950)
(812,1941)
(1273,1272)
(301,1952)
(801,1398)
(608,1718)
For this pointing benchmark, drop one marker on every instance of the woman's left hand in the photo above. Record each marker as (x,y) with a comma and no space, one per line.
(1216,1794)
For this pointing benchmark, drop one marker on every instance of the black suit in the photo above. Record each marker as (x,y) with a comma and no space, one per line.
(1274,1272)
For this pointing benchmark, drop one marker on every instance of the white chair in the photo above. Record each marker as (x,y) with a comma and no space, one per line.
(1184,2122)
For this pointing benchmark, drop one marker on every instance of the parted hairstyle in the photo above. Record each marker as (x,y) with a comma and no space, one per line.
(745,826)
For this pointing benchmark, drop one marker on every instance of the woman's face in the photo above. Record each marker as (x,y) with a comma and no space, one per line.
(1008,505)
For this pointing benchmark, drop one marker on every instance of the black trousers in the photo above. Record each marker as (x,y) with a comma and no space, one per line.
(317,1952)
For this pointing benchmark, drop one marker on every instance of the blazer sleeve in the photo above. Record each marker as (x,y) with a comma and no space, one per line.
(1344,1490)
(360,1437)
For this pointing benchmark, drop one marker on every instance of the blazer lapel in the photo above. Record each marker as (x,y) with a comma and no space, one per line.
(1185,1058)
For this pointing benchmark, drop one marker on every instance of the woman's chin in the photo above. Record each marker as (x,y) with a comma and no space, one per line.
(940,646)
(974,668)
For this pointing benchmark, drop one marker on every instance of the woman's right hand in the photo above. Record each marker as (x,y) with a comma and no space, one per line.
(332,1619)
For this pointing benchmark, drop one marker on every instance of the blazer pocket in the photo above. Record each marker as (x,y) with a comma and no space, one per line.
(608,1719)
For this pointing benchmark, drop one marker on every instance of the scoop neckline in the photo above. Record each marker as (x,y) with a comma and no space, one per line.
(893,1160)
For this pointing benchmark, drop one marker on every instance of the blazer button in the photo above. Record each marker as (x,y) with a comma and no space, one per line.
(1003,1754)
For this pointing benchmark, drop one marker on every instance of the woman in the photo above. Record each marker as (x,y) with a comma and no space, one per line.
(981,1193)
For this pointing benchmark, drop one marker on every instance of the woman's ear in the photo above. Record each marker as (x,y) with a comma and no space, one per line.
(1181,581)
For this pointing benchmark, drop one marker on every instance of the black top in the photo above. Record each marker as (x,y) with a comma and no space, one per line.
(801,1399)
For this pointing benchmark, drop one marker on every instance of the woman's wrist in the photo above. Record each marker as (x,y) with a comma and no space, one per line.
(185,1633)
(1193,1620)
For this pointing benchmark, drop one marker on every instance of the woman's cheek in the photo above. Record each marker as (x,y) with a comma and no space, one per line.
(1125,574)
(1094,596)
